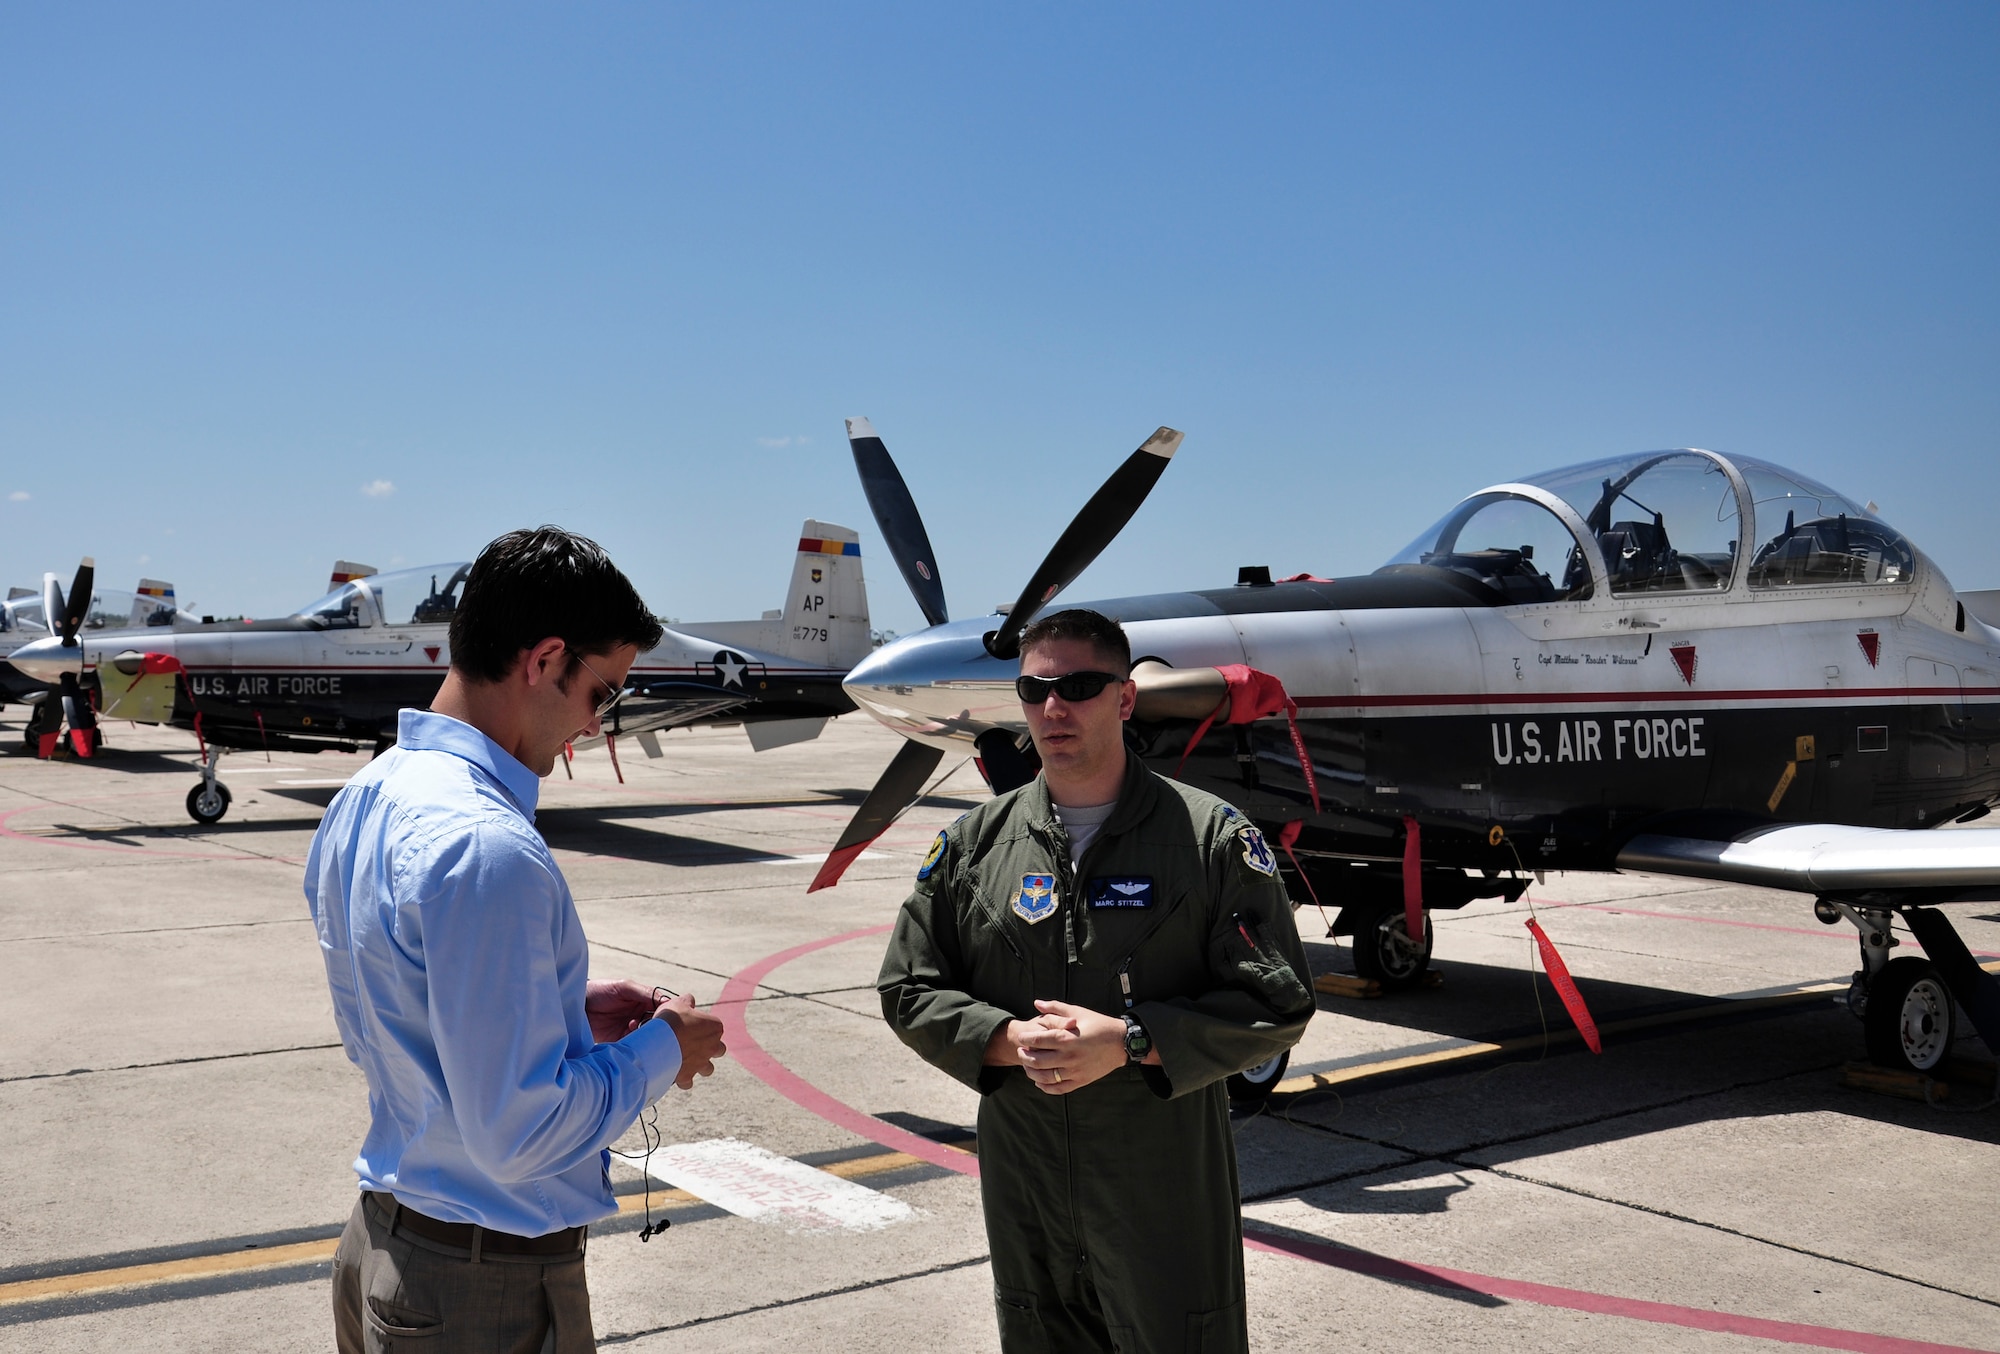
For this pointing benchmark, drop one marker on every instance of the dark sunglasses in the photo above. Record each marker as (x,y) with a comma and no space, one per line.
(1071,686)
(613,694)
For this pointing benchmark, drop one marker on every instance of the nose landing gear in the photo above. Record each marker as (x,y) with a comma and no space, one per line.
(209,799)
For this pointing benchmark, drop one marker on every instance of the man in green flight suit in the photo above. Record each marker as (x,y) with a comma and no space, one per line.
(1095,953)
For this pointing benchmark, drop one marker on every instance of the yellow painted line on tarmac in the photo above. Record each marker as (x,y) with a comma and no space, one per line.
(1347,1076)
(167,1271)
(318,1252)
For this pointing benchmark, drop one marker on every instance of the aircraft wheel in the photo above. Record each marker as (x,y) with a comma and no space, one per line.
(1255,1084)
(207,806)
(1383,949)
(1908,1019)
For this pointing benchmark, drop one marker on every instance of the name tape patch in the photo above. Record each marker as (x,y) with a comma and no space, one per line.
(1121,891)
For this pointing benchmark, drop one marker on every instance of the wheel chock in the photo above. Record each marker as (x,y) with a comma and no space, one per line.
(1348,985)
(1964,1073)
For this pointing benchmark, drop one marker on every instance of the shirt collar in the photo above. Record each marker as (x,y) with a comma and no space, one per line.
(428,731)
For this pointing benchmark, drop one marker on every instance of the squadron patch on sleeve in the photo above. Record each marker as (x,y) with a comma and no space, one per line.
(932,857)
(1257,852)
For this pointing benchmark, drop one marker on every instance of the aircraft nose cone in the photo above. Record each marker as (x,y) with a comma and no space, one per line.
(938,684)
(46,660)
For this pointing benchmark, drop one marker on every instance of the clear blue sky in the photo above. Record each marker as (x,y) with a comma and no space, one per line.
(626,267)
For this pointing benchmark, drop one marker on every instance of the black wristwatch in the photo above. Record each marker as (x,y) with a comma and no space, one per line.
(1138,1043)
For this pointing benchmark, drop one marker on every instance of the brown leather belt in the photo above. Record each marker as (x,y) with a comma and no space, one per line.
(470,1237)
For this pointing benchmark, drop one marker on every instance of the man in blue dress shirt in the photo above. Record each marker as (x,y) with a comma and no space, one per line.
(498,1070)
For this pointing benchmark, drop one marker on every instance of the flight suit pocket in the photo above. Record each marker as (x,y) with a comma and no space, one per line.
(1222,1331)
(1021,1330)
(1259,967)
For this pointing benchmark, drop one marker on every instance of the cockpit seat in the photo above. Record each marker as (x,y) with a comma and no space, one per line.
(1639,557)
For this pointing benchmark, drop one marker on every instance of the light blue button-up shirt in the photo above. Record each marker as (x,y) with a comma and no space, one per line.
(458,966)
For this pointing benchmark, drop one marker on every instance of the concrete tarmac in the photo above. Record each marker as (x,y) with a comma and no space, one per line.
(1446,1168)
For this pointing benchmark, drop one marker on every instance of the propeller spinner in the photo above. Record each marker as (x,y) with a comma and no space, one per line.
(889,498)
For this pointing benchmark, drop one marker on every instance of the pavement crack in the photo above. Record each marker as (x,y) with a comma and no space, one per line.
(158,930)
(168,1062)
(1727,1230)
(625,1337)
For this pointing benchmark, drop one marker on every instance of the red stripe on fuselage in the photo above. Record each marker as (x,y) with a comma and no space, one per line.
(1814,695)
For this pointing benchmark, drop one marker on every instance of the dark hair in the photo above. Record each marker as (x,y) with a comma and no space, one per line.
(528,586)
(1089,626)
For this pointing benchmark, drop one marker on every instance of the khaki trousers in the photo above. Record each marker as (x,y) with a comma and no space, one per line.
(395,1292)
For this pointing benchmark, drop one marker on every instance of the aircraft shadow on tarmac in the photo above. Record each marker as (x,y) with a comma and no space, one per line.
(1702,1062)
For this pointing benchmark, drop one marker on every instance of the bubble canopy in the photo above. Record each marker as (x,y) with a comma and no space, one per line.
(423,596)
(1661,522)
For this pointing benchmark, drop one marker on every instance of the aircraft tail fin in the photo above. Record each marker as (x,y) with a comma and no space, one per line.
(826,611)
(346,571)
(153,603)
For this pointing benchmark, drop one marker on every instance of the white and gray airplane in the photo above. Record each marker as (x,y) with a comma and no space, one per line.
(1679,662)
(334,674)
(24,618)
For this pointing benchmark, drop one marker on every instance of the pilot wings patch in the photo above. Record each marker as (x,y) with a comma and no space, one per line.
(1121,891)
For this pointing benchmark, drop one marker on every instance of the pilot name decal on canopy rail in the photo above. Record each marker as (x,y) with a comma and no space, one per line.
(1596,740)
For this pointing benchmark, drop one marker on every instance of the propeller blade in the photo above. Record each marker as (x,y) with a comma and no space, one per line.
(900,784)
(896,513)
(79,600)
(1109,509)
(53,604)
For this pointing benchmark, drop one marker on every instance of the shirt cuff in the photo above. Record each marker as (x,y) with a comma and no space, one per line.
(658,1050)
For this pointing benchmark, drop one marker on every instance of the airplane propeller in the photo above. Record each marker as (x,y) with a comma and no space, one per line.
(889,498)
(65,616)
(1093,528)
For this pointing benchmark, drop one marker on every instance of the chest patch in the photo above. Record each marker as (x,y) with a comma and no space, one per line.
(1257,852)
(1037,899)
(1121,891)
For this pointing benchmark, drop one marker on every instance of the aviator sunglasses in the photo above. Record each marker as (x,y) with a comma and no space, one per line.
(603,706)
(1071,686)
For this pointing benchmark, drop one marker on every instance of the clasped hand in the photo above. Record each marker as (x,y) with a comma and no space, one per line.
(615,1007)
(1063,1047)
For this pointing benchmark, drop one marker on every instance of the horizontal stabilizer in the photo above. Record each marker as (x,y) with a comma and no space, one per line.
(1827,858)
(1984,606)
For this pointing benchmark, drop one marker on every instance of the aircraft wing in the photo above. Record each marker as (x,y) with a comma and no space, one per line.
(650,713)
(1830,859)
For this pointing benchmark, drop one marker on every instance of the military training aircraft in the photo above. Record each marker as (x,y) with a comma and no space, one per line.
(1679,662)
(24,618)
(335,673)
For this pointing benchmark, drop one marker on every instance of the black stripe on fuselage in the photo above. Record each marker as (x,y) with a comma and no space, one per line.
(1567,789)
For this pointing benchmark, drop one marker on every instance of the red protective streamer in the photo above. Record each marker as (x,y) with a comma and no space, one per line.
(568,752)
(1287,836)
(1413,880)
(1566,987)
(1251,696)
(611,742)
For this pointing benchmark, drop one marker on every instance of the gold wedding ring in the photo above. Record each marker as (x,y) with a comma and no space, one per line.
(1057,1075)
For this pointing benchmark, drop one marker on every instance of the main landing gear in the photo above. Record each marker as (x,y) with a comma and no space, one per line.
(209,799)
(1909,1005)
